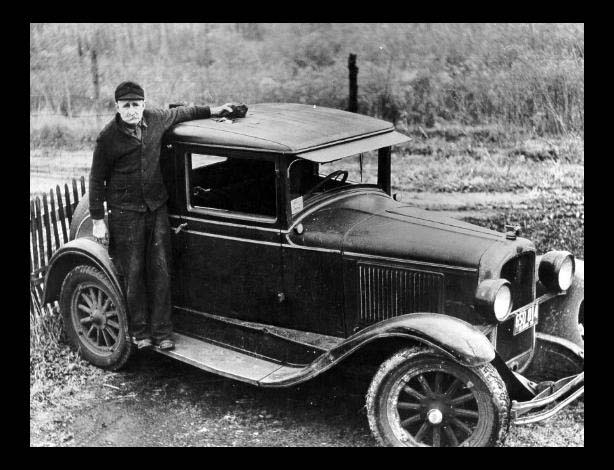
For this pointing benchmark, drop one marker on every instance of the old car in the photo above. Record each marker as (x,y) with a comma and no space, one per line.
(292,256)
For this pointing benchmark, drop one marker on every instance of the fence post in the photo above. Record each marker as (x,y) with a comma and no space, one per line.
(67,201)
(47,223)
(75,193)
(95,74)
(353,98)
(54,220)
(39,230)
(33,234)
(58,193)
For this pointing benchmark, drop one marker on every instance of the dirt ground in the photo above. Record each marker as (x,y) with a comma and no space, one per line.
(157,401)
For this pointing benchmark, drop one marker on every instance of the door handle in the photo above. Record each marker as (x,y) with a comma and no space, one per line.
(180,227)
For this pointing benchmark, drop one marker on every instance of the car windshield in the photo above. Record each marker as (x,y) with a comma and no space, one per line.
(308,179)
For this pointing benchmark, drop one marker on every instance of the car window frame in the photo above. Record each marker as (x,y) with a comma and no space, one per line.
(225,213)
(314,200)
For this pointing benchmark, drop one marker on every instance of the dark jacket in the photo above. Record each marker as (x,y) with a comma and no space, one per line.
(125,170)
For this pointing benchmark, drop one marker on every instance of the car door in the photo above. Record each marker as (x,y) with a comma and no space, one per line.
(229,242)
(313,270)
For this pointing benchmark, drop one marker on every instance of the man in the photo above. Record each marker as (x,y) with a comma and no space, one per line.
(126,173)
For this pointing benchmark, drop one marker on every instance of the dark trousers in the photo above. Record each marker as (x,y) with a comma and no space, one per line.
(140,245)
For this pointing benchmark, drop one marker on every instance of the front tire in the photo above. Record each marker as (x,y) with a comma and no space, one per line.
(421,398)
(95,318)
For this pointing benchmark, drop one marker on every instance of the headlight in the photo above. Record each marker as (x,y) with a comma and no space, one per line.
(503,302)
(494,298)
(556,270)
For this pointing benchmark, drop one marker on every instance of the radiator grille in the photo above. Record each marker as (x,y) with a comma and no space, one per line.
(387,292)
(520,271)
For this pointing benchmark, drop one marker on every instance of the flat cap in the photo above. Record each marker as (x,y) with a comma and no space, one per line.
(129,91)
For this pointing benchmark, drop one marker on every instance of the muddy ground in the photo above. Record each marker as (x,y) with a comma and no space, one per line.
(157,401)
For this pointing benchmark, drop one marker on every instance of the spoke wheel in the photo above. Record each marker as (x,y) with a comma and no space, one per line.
(421,398)
(94,317)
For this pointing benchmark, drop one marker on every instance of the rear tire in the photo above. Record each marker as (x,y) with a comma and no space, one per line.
(421,398)
(95,318)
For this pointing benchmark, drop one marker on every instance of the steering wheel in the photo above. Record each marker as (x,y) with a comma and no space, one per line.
(326,179)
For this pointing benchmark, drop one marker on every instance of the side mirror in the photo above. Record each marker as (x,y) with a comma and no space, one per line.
(397,197)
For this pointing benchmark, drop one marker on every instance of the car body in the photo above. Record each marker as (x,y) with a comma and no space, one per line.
(285,266)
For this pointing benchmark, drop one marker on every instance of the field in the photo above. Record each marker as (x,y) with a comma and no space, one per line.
(516,74)
(535,182)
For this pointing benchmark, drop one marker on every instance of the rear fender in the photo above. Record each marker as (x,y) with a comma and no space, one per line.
(84,250)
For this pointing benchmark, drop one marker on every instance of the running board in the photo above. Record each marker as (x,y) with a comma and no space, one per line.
(229,363)
(281,345)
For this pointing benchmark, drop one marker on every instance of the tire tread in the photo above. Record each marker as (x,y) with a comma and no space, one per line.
(487,372)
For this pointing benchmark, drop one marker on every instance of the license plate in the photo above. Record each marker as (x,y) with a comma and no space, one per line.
(525,318)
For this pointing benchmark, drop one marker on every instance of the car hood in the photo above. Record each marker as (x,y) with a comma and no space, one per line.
(373,224)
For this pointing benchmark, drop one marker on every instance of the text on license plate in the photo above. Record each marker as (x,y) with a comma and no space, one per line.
(525,318)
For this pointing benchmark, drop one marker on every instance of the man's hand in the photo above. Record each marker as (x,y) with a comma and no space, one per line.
(100,232)
(219,111)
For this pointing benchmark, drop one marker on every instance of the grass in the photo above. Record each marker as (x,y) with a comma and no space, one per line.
(48,130)
(418,73)
(495,173)
(56,371)
(556,228)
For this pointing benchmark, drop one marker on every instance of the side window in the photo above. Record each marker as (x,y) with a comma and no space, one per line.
(238,185)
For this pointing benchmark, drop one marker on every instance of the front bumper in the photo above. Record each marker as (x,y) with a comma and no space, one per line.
(571,388)
(552,396)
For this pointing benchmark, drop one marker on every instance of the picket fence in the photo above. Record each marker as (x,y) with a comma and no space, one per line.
(49,229)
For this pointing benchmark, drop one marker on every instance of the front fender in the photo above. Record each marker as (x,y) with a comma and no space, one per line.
(559,316)
(454,338)
(84,250)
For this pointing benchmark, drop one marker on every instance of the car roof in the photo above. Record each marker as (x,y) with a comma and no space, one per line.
(313,132)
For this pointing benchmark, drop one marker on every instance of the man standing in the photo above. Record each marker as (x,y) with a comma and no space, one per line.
(126,173)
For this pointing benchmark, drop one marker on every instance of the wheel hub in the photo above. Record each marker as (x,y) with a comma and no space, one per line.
(98,319)
(434,416)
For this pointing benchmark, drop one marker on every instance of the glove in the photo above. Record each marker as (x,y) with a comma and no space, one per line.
(100,232)
(238,111)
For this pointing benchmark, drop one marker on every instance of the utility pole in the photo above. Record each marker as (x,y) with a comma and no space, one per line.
(353,98)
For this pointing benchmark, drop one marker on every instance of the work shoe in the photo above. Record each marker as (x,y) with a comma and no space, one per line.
(144,343)
(165,344)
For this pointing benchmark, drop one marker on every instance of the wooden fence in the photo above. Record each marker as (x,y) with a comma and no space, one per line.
(49,229)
